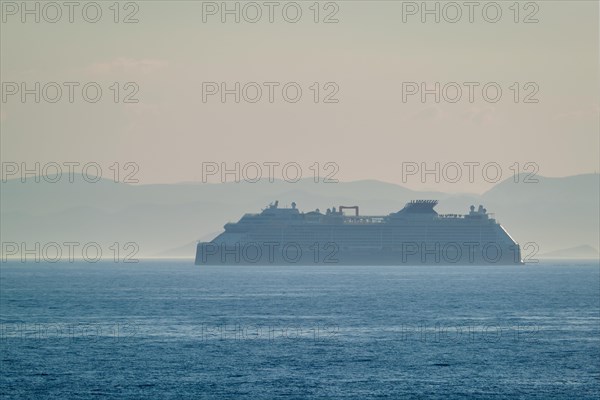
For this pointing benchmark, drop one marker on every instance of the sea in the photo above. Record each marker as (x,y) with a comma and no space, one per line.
(167,329)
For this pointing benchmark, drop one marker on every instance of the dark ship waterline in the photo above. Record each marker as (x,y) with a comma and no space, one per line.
(415,235)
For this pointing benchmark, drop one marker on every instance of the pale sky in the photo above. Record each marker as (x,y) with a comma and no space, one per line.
(368,55)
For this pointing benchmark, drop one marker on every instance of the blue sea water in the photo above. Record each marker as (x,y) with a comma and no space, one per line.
(171,330)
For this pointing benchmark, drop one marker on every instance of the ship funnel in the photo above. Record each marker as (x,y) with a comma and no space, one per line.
(355,208)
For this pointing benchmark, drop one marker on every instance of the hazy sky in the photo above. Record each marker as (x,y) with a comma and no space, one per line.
(368,55)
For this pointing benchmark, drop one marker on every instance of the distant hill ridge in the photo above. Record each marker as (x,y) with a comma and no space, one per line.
(556,213)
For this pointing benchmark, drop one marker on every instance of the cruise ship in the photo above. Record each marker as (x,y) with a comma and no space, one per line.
(415,235)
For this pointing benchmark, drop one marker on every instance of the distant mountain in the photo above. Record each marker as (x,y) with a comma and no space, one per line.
(584,251)
(556,213)
(186,251)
